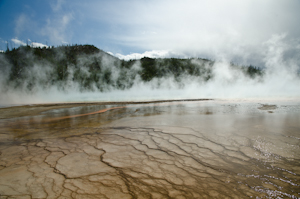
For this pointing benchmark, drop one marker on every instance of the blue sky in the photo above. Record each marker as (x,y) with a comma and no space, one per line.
(242,31)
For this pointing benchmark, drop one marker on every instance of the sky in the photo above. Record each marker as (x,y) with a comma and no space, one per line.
(234,30)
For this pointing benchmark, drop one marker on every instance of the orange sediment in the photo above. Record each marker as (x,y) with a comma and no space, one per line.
(92,113)
(108,109)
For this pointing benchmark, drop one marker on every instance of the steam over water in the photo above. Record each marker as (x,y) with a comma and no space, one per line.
(98,76)
(204,149)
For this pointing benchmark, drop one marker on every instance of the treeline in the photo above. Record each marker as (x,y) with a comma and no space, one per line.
(91,69)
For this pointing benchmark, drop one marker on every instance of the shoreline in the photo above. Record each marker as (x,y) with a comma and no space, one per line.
(23,110)
(36,109)
(105,102)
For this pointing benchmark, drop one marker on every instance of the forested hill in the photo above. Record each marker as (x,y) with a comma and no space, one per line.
(88,68)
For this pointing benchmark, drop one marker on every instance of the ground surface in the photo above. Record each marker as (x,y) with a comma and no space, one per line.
(182,149)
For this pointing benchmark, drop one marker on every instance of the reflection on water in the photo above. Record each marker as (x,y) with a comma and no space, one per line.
(208,149)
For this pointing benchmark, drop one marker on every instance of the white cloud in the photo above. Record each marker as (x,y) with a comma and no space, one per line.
(21,24)
(32,44)
(57,6)
(232,29)
(18,42)
(38,45)
(56,28)
(151,54)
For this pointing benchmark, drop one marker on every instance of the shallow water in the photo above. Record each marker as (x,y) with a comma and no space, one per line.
(205,149)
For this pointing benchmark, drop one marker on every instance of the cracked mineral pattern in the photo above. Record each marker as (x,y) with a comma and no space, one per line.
(170,150)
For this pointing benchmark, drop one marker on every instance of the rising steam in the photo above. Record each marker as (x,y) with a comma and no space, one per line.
(77,79)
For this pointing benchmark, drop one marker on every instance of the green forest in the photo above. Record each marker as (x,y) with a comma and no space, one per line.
(91,69)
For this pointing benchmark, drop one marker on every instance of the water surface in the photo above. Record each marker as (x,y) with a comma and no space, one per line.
(204,149)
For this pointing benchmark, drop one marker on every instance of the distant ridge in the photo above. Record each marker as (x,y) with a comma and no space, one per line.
(87,68)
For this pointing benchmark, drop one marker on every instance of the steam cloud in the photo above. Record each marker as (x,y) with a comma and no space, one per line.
(280,80)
